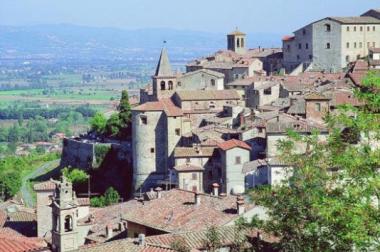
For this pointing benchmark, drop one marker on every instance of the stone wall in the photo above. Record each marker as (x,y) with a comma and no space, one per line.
(78,154)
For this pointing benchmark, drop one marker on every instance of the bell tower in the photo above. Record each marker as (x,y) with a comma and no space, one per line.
(164,81)
(236,41)
(64,214)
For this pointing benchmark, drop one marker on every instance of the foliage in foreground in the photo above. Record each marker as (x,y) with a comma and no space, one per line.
(332,201)
(75,175)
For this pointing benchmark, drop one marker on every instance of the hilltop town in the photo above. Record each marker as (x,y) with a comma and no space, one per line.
(200,141)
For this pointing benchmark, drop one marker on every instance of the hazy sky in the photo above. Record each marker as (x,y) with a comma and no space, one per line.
(272,16)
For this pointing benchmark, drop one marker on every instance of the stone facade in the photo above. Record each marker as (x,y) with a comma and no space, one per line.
(331,43)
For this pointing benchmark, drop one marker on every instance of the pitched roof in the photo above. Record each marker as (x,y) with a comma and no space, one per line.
(163,67)
(11,241)
(207,71)
(45,186)
(165,105)
(233,143)
(193,151)
(188,167)
(204,95)
(237,32)
(316,96)
(175,211)
(356,20)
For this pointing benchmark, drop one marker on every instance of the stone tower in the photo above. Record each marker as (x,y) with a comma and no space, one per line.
(164,81)
(64,214)
(236,41)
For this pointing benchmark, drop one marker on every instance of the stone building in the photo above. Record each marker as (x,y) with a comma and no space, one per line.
(374,58)
(331,43)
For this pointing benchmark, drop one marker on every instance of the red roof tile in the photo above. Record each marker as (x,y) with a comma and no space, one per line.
(165,104)
(287,38)
(11,241)
(233,143)
(45,186)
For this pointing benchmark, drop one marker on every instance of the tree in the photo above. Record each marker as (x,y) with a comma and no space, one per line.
(111,196)
(113,125)
(179,244)
(125,113)
(74,175)
(332,200)
(213,240)
(98,123)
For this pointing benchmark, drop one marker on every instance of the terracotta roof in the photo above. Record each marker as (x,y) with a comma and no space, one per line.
(11,241)
(287,38)
(374,49)
(233,143)
(83,201)
(356,20)
(316,96)
(188,167)
(3,217)
(45,186)
(175,211)
(165,105)
(200,95)
(193,151)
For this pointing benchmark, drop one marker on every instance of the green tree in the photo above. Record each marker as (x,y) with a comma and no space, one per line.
(125,113)
(98,201)
(74,175)
(332,200)
(179,244)
(113,125)
(213,240)
(98,123)
(111,196)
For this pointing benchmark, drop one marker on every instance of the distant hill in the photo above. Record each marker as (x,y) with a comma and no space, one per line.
(80,42)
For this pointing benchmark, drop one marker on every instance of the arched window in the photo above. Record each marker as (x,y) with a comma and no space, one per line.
(328,27)
(242,42)
(68,223)
(212,82)
(238,42)
(163,85)
(170,85)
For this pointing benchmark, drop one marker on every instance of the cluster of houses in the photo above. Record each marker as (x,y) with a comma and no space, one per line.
(202,138)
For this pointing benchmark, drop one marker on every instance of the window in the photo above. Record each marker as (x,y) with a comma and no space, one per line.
(328,27)
(151,150)
(177,132)
(299,46)
(268,91)
(68,223)
(238,42)
(304,32)
(163,85)
(373,28)
(170,85)
(194,176)
(360,45)
(212,82)
(361,28)
(237,160)
(348,58)
(288,48)
(143,119)
(354,44)
(307,46)
(354,28)
(310,57)
(328,46)
(318,107)
(348,28)
(298,57)
(348,45)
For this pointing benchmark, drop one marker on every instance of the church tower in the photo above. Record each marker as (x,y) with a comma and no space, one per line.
(164,81)
(64,214)
(236,41)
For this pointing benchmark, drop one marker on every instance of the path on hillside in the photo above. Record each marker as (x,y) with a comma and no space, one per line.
(26,194)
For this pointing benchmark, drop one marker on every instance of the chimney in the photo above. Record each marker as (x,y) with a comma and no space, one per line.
(215,188)
(109,231)
(197,198)
(158,191)
(240,205)
(141,239)
(121,226)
